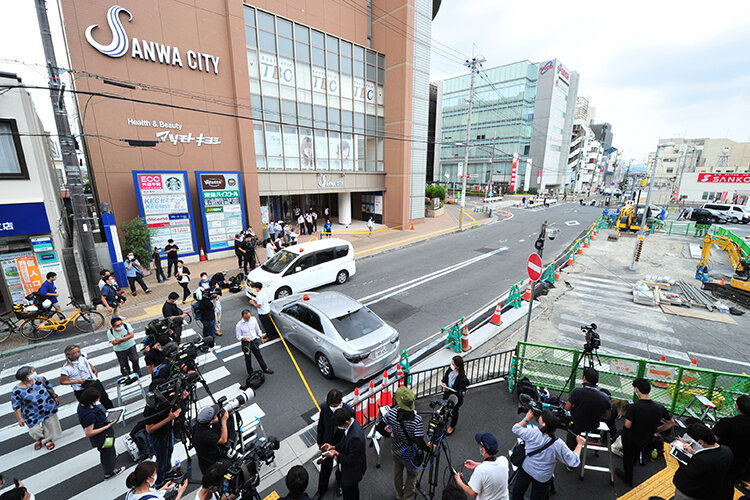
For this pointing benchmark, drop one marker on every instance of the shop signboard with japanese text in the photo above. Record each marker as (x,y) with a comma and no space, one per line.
(222,208)
(164,203)
(21,274)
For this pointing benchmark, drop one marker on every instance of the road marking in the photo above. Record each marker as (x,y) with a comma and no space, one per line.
(521,241)
(572,223)
(697,356)
(390,292)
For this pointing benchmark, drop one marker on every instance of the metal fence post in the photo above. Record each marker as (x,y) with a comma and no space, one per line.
(677,389)
(573,378)
(712,385)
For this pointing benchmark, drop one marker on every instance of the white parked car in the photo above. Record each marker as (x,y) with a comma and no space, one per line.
(302,267)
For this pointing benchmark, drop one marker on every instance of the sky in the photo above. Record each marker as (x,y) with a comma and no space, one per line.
(652,69)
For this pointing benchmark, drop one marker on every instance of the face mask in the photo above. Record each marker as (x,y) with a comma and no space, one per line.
(75,358)
(334,408)
(31,376)
(453,367)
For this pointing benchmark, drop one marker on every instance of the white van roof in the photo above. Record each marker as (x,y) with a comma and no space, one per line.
(312,246)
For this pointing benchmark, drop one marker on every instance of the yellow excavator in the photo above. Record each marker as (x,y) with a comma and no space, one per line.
(630,218)
(738,288)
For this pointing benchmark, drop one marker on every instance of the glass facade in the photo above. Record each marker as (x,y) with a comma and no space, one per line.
(501,122)
(318,100)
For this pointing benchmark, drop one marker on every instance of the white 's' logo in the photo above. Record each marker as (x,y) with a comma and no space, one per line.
(118,47)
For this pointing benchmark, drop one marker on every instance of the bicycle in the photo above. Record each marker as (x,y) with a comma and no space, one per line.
(84,318)
(7,326)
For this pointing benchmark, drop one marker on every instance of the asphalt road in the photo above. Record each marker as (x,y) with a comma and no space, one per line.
(416,289)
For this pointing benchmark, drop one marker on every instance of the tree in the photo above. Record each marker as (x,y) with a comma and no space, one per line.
(435,191)
(137,240)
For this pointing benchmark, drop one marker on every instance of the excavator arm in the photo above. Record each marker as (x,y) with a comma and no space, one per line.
(726,244)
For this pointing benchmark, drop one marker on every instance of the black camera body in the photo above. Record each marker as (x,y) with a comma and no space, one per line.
(443,410)
(243,475)
(177,475)
(593,340)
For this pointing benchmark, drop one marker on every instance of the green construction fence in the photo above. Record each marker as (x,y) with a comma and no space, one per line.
(672,385)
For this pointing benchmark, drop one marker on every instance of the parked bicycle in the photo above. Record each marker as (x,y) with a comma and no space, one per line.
(83,317)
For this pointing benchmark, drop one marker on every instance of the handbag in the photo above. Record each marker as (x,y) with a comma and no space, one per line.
(50,390)
(518,454)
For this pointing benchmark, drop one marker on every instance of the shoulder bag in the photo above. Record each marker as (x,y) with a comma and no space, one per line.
(518,455)
(417,455)
(50,390)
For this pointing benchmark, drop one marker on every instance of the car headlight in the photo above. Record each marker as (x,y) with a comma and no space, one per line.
(356,358)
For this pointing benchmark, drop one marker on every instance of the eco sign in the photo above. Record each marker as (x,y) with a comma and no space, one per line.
(146,50)
(164,203)
(222,208)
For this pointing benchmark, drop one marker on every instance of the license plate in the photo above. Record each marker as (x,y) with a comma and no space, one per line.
(380,352)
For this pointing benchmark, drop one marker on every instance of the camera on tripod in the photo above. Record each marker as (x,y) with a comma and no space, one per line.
(177,475)
(593,341)
(168,394)
(243,475)
(538,399)
(443,409)
(188,352)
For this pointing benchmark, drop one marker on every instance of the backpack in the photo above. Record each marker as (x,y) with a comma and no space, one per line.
(196,310)
(137,443)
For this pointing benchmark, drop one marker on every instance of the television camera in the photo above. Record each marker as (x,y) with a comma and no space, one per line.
(593,340)
(243,474)
(443,410)
(436,431)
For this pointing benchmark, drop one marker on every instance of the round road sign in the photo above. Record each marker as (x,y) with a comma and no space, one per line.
(534,267)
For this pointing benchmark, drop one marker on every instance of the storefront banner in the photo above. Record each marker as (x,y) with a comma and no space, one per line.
(264,214)
(323,81)
(41,244)
(306,148)
(725,178)
(273,70)
(164,202)
(20,219)
(222,207)
(21,274)
(364,91)
(514,172)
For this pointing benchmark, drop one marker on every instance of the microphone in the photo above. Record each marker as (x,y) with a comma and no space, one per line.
(452,400)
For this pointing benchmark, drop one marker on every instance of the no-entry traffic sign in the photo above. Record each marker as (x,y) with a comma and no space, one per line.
(534,266)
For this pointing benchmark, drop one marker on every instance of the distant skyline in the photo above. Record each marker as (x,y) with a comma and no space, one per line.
(651,69)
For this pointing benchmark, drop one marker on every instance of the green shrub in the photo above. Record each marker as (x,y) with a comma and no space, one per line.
(435,191)
(137,240)
(533,191)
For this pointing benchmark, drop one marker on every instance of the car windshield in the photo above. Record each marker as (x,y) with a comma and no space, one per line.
(357,324)
(279,262)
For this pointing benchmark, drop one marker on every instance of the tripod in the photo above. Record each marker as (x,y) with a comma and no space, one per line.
(433,459)
(588,355)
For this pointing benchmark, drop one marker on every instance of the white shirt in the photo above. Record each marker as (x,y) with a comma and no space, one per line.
(490,479)
(248,329)
(262,299)
(270,249)
(150,494)
(300,220)
(78,370)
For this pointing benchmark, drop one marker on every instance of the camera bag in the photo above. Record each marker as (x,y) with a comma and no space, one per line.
(255,380)
(518,455)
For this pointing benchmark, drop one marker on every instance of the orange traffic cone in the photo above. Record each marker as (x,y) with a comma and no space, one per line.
(580,248)
(465,339)
(386,398)
(412,226)
(694,363)
(527,293)
(496,320)
(663,358)
(585,243)
(359,413)
(571,259)
(721,282)
(372,402)
(557,274)
(399,374)
(202,255)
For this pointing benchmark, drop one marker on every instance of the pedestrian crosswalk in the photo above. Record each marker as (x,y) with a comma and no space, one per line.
(72,469)
(626,328)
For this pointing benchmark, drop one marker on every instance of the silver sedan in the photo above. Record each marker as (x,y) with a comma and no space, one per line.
(342,336)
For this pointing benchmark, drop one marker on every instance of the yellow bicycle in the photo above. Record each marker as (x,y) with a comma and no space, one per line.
(83,317)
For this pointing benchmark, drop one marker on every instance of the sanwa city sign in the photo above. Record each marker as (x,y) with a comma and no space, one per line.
(147,50)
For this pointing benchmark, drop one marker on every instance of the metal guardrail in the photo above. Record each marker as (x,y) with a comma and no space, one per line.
(672,385)
(427,383)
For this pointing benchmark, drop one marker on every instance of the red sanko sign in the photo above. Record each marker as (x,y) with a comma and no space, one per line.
(514,172)
(725,178)
(534,267)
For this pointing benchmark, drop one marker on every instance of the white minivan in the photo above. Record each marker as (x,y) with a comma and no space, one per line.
(302,267)
(733,213)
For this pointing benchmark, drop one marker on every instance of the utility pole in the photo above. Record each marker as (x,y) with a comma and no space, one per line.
(539,246)
(473,64)
(81,217)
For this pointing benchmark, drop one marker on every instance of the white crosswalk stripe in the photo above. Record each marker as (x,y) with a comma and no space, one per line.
(77,457)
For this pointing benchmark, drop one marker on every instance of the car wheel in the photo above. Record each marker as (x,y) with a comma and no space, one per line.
(342,276)
(734,220)
(324,366)
(282,292)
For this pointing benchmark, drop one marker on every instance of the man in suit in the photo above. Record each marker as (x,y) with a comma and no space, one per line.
(350,453)
(328,433)
(705,475)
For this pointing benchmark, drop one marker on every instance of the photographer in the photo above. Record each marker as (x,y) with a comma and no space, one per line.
(249,258)
(207,313)
(350,453)
(489,481)
(141,483)
(120,335)
(328,433)
(543,450)
(111,298)
(455,382)
(174,314)
(134,273)
(206,439)
(154,355)
(19,492)
(296,482)
(249,334)
(705,475)
(404,426)
(159,428)
(734,432)
(212,484)
(587,406)
(642,420)
(93,419)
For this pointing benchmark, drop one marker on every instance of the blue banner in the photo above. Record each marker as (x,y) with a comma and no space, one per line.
(20,219)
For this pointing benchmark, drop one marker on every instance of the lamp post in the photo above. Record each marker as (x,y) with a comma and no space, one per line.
(639,239)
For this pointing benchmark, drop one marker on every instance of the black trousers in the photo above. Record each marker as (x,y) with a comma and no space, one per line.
(108,457)
(350,492)
(185,291)
(239,259)
(250,349)
(249,262)
(105,401)
(454,413)
(132,280)
(265,321)
(630,451)
(128,355)
(325,476)
(176,325)
(171,263)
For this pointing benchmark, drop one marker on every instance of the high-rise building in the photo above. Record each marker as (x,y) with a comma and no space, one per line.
(554,110)
(252,111)
(603,133)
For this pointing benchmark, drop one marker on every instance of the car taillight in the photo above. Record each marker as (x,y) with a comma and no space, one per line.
(356,358)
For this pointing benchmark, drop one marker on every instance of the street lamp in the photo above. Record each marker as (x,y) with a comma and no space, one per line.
(639,239)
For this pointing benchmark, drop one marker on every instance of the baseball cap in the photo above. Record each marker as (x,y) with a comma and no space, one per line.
(405,398)
(488,442)
(207,414)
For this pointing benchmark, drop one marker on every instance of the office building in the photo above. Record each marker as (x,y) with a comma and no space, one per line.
(253,110)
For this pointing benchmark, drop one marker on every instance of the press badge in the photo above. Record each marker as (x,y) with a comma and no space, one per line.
(108,442)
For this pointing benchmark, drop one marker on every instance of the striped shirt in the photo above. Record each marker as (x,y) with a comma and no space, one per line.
(411,426)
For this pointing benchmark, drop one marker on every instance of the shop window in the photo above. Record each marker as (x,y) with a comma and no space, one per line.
(359,153)
(334,148)
(371,57)
(333,102)
(12,160)
(359,53)
(321,149)
(291,163)
(306,149)
(346,64)
(267,41)
(334,119)
(346,86)
(249,16)
(260,148)
(381,126)
(318,56)
(271,110)
(370,124)
(359,69)
(273,142)
(381,61)
(359,123)
(381,75)
(303,76)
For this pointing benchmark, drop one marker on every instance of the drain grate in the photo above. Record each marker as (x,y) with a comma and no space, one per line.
(310,437)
